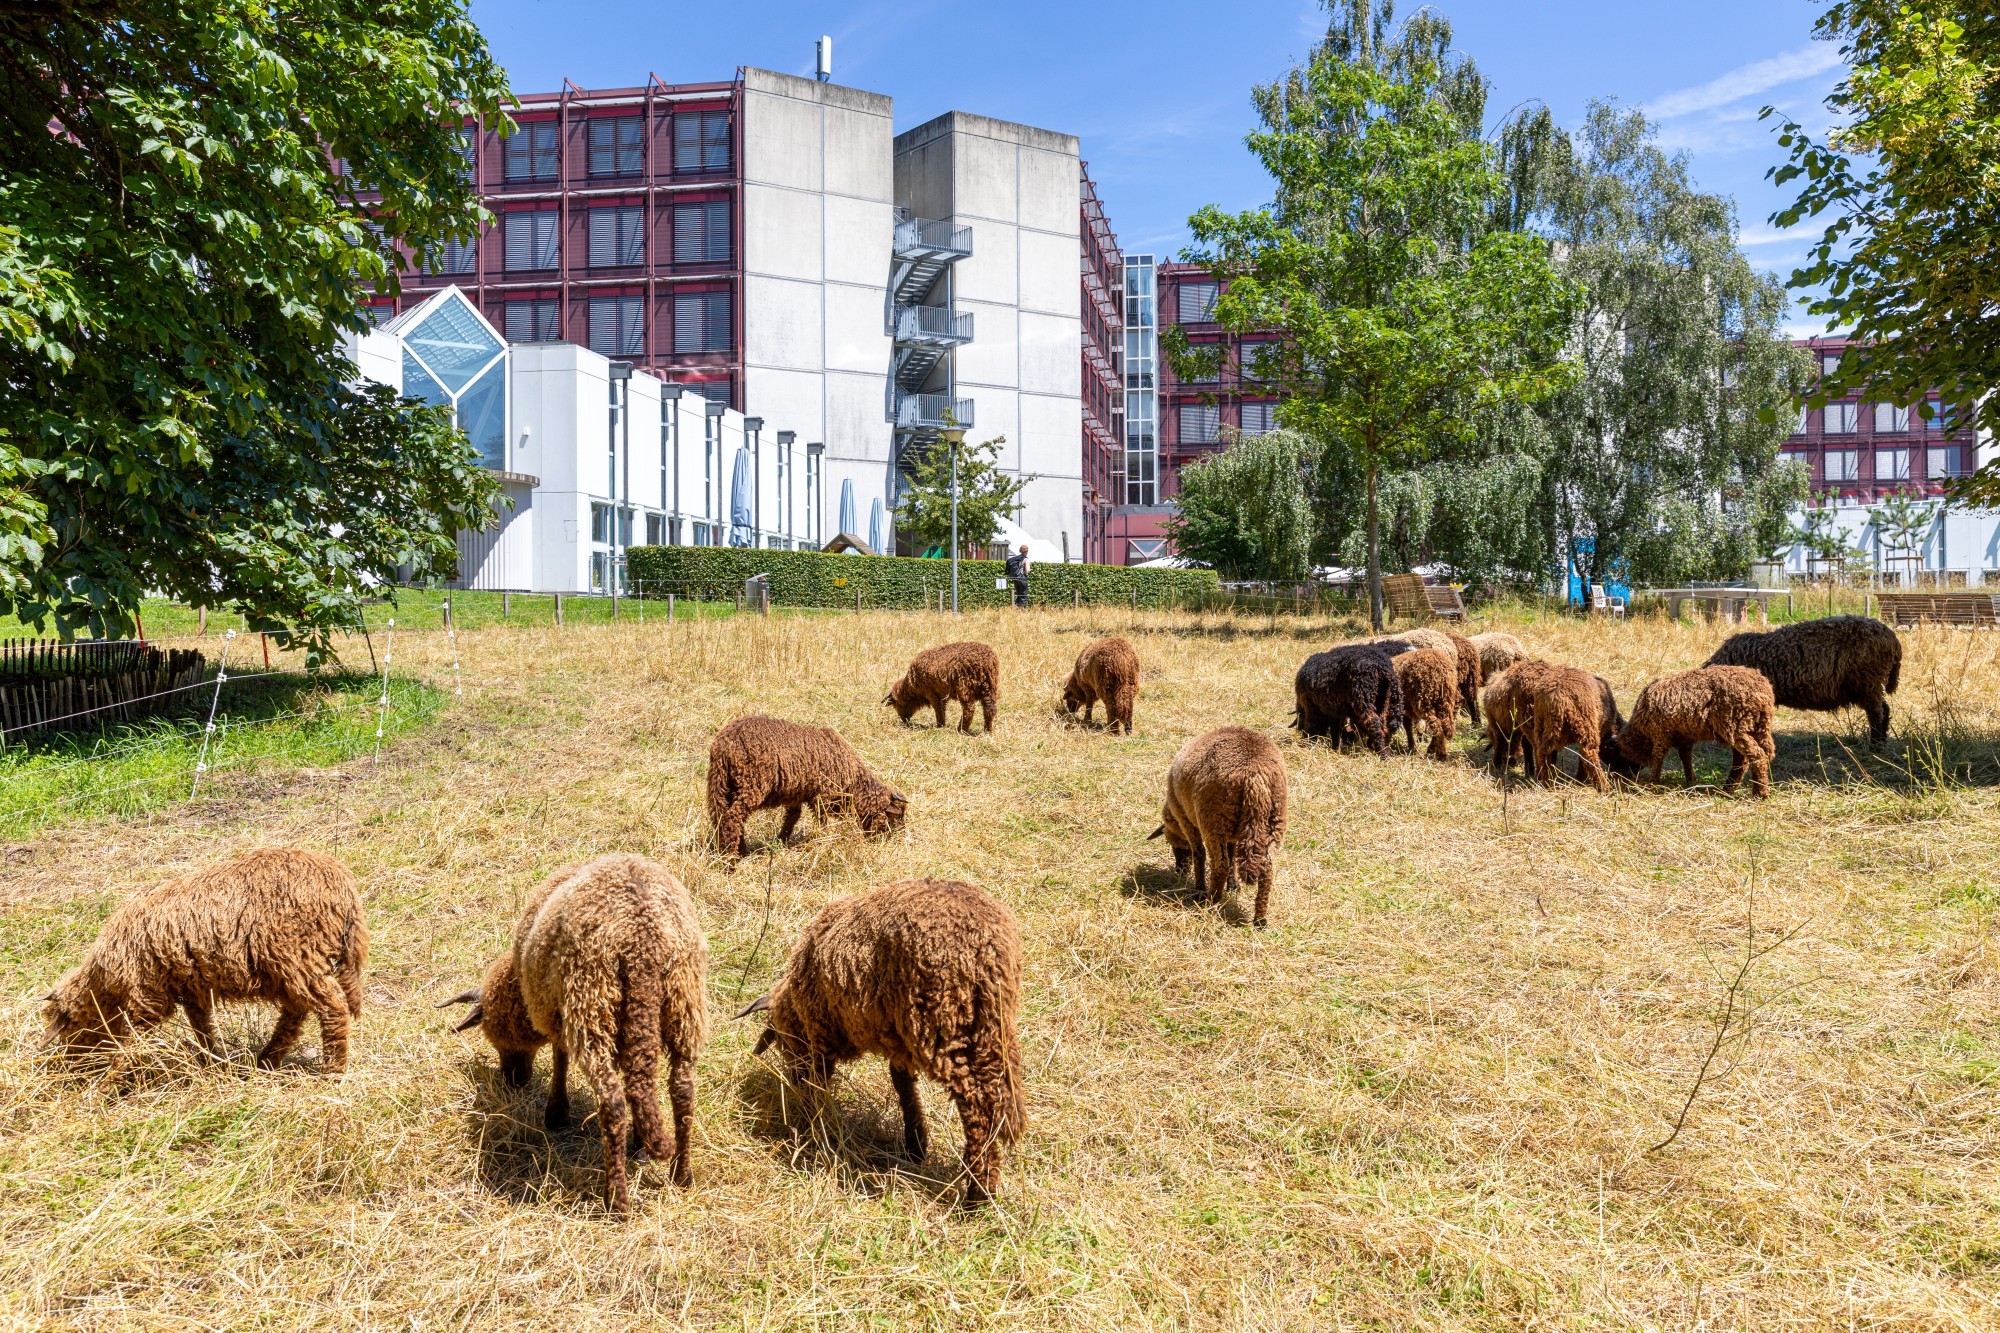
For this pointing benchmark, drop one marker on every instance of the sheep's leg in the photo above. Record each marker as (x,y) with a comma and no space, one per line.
(1410,731)
(680,1086)
(1685,750)
(1878,721)
(729,834)
(1200,854)
(939,705)
(283,1037)
(916,1134)
(965,716)
(1440,728)
(331,1007)
(555,1116)
(982,1149)
(1590,763)
(792,813)
(613,1119)
(1735,770)
(639,1063)
(1265,871)
(988,707)
(202,1019)
(1760,776)
(1221,859)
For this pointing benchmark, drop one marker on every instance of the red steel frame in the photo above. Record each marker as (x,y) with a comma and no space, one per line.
(1810,445)
(1103,391)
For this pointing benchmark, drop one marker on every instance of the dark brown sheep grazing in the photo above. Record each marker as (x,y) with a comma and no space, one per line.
(926,973)
(1609,721)
(1350,686)
(1508,700)
(1430,695)
(1728,705)
(1566,708)
(1470,675)
(763,763)
(609,966)
(1106,671)
(280,925)
(966,672)
(1225,812)
(1825,665)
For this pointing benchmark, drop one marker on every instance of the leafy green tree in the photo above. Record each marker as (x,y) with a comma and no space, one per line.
(180,262)
(986,494)
(1663,449)
(1402,315)
(1907,191)
(1902,521)
(1246,512)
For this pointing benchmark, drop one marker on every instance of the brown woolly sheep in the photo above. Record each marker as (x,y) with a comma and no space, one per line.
(1508,703)
(1354,686)
(1430,695)
(1825,665)
(609,965)
(966,672)
(280,925)
(1610,721)
(763,763)
(1728,705)
(1566,708)
(1225,812)
(1106,670)
(1468,672)
(1497,650)
(927,973)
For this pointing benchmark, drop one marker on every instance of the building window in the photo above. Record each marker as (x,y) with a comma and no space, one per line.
(468,153)
(701,324)
(617,236)
(714,391)
(1946,460)
(617,146)
(1841,465)
(531,151)
(1196,302)
(656,529)
(1892,465)
(534,321)
(1199,423)
(1890,419)
(1842,418)
(701,233)
(1800,428)
(1829,362)
(1935,421)
(532,240)
(453,257)
(618,325)
(1259,418)
(701,141)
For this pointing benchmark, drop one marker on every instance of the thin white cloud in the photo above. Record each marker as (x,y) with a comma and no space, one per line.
(1746,81)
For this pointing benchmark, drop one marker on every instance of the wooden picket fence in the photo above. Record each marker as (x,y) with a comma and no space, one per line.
(47,686)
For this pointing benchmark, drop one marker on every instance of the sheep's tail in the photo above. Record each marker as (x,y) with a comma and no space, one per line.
(1257,813)
(1895,670)
(718,791)
(353,957)
(1011,1110)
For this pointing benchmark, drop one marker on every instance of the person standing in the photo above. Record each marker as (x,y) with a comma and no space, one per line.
(1017,574)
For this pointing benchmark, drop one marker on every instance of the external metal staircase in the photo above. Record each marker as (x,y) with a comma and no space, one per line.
(922,330)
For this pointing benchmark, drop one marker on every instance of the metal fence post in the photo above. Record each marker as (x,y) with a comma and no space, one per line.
(221,674)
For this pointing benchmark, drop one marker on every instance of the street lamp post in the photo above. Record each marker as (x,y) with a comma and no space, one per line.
(621,391)
(754,428)
(815,491)
(787,511)
(670,413)
(711,442)
(953,437)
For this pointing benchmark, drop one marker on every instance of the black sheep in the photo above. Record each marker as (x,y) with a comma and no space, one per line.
(1825,665)
(1354,685)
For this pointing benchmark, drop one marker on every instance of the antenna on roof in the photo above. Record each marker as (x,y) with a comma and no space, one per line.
(825,48)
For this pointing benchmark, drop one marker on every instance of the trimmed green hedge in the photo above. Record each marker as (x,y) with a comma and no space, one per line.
(810,578)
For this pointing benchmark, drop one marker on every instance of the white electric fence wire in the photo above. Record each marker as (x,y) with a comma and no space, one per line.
(450,629)
(382,717)
(208,731)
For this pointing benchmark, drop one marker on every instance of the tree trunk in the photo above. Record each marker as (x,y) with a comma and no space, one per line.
(1374,557)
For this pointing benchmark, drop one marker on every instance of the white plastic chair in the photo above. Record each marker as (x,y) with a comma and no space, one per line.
(1603,603)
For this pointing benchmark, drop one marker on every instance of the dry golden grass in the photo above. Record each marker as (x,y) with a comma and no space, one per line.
(1422,1099)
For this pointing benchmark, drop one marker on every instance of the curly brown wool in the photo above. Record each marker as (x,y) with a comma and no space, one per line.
(1825,665)
(1225,812)
(1106,671)
(966,672)
(926,973)
(1565,709)
(1469,673)
(280,925)
(765,763)
(1728,705)
(1497,651)
(1430,695)
(609,966)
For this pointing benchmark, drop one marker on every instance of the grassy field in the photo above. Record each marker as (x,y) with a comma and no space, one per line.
(1426,1097)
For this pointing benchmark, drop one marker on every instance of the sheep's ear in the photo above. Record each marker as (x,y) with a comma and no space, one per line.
(472,1019)
(770,1035)
(463,997)
(759,1005)
(1156,833)
(888,699)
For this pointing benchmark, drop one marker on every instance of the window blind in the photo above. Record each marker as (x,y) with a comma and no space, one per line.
(701,322)
(532,240)
(701,233)
(701,141)
(531,152)
(618,325)
(617,146)
(617,235)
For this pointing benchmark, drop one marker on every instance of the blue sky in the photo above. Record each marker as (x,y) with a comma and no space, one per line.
(1159,93)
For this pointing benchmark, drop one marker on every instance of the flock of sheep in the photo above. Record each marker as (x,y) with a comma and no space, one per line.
(608,963)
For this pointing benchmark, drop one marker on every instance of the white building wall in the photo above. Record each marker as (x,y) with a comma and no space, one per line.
(1017,187)
(1964,541)
(817,204)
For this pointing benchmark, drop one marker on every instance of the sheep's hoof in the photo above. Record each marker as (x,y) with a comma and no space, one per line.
(1260,923)
(555,1119)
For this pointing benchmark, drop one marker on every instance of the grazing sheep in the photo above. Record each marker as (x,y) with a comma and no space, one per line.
(1225,811)
(1566,708)
(280,925)
(1355,684)
(1728,705)
(1497,651)
(763,763)
(1610,721)
(1470,675)
(1430,695)
(1508,698)
(1106,670)
(609,965)
(967,672)
(927,973)
(1824,665)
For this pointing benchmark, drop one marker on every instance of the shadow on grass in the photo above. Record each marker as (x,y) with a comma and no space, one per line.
(1164,888)
(858,1136)
(521,1161)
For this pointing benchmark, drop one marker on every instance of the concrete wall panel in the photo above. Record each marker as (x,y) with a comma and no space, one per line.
(783,326)
(854,336)
(857,243)
(858,155)
(1049,277)
(782,233)
(1051,355)
(781,141)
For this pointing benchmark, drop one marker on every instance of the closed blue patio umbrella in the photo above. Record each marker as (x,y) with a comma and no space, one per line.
(846,507)
(740,533)
(875,525)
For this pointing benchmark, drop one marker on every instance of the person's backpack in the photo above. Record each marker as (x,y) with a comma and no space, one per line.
(1017,566)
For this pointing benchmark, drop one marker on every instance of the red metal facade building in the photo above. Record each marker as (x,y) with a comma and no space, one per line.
(1103,464)
(1860,451)
(642,253)
(1197,418)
